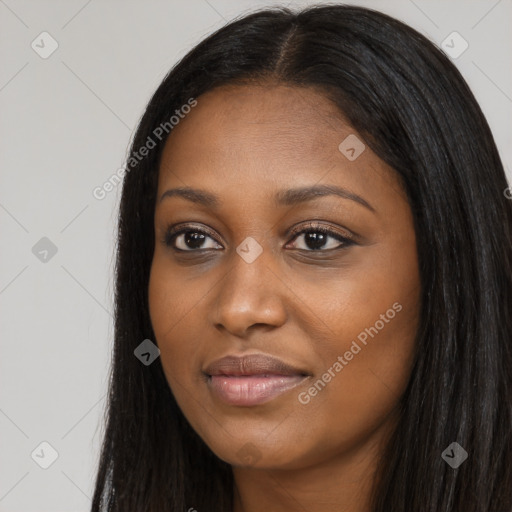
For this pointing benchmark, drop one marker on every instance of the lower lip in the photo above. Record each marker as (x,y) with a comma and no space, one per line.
(252,389)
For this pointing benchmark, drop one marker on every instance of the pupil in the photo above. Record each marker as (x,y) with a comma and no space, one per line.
(195,238)
(315,240)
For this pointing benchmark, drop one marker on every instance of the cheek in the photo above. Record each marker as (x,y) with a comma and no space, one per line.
(377,299)
(171,303)
(373,324)
(364,373)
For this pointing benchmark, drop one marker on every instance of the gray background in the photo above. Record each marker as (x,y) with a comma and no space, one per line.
(65,127)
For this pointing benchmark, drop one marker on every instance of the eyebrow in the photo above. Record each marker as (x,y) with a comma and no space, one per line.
(282,198)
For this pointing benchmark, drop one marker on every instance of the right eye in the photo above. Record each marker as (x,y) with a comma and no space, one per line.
(189,239)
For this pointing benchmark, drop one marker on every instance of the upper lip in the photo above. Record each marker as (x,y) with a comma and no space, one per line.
(252,364)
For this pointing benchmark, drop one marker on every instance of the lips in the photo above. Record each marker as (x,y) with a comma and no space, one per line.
(252,379)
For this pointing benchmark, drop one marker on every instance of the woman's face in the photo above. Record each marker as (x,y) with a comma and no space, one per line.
(317,328)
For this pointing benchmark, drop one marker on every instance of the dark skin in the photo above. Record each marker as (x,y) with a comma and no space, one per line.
(301,302)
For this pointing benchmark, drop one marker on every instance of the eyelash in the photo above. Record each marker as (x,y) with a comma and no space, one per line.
(172,233)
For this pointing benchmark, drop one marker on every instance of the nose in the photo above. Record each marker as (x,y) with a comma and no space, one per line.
(250,295)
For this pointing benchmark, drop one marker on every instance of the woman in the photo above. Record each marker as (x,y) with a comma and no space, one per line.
(314,233)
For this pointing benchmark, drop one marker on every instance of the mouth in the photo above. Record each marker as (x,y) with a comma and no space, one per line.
(252,379)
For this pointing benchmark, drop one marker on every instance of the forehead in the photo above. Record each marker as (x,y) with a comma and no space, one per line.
(266,137)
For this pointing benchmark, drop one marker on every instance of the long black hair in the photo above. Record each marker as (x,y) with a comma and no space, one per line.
(416,112)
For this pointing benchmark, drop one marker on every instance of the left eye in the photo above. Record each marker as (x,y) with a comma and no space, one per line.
(315,239)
